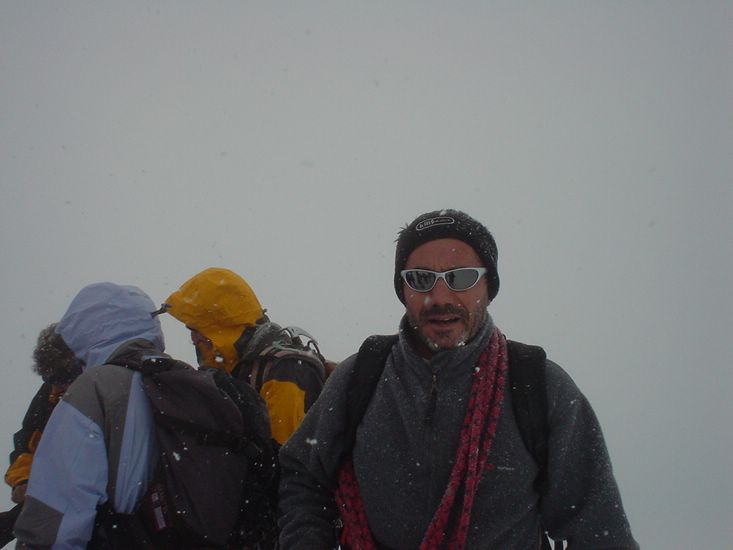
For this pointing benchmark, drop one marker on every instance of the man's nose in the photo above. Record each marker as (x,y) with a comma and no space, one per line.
(441,293)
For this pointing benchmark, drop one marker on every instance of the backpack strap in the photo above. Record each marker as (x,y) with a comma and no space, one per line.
(529,396)
(289,343)
(370,362)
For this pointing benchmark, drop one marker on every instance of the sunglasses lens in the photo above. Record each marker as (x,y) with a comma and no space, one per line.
(420,280)
(423,280)
(461,279)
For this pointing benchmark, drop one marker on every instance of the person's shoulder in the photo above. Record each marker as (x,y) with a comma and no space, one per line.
(369,349)
(105,374)
(99,383)
(558,379)
(43,392)
(565,400)
(555,374)
(559,385)
(345,366)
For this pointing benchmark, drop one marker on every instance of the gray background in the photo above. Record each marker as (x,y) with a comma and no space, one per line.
(143,141)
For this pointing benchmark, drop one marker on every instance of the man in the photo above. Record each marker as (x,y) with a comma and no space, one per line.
(98,445)
(55,363)
(438,460)
(230,331)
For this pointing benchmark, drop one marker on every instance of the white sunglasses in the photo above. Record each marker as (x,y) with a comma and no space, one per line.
(423,280)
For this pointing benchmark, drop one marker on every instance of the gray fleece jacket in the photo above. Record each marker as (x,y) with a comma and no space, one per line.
(403,458)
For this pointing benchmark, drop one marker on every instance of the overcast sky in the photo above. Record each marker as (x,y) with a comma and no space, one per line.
(141,142)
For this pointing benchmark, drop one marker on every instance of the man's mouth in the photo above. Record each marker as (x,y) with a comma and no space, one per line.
(443,320)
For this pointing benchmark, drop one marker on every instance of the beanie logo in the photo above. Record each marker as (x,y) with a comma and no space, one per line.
(430,222)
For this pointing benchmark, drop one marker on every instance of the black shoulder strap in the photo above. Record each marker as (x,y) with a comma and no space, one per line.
(529,397)
(527,379)
(369,366)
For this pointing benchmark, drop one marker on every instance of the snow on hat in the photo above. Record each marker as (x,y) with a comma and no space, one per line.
(447,224)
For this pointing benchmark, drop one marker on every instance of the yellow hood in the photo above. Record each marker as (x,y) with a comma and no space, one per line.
(219,304)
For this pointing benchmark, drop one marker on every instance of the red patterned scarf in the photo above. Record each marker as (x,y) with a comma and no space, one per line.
(477,433)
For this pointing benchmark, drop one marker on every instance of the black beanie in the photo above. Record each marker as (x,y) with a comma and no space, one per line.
(447,224)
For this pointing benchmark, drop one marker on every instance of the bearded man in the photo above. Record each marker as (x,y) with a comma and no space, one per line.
(439,457)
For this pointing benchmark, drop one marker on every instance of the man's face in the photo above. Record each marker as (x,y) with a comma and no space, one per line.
(199,339)
(444,318)
(204,348)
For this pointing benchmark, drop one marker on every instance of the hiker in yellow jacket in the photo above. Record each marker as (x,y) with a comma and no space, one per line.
(230,330)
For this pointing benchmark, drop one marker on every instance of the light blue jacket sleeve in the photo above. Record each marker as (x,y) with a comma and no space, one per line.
(137,456)
(68,481)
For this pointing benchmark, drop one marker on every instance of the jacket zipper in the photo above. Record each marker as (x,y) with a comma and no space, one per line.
(429,417)
(433,400)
